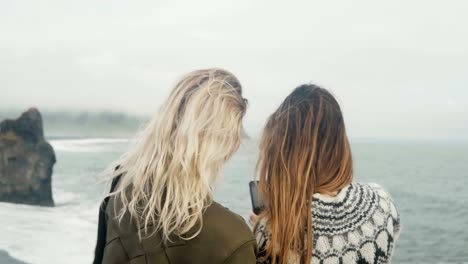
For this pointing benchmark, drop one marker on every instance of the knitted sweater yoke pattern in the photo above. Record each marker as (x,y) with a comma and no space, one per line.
(359,225)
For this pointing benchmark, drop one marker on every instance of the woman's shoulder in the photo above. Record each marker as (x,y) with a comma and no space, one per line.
(367,211)
(225,223)
(376,187)
(388,208)
(371,201)
(360,212)
(217,210)
(385,201)
(229,232)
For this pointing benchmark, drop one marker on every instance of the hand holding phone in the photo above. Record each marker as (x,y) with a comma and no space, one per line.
(257,204)
(253,218)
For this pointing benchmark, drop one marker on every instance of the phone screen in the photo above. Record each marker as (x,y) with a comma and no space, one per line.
(257,204)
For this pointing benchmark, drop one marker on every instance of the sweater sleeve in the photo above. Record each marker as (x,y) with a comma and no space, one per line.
(245,254)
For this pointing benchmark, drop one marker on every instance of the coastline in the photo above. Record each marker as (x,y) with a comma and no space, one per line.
(6,258)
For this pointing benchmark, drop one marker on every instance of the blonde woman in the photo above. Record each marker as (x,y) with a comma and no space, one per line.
(162,208)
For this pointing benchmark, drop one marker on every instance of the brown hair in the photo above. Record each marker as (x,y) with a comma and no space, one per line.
(304,150)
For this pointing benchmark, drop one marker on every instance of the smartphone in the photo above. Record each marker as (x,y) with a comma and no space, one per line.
(257,204)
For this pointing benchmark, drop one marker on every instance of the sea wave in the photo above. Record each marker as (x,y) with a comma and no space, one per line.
(49,234)
(86,145)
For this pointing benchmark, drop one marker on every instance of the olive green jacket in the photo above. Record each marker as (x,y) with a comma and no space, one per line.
(224,238)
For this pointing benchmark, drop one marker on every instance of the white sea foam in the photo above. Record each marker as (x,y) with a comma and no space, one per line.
(67,232)
(86,145)
(64,234)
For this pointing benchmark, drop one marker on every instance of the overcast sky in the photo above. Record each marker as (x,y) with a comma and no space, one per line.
(399,68)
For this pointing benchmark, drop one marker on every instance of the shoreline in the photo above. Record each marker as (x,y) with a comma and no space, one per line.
(6,258)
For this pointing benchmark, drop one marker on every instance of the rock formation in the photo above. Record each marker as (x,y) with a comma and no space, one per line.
(26,161)
(6,258)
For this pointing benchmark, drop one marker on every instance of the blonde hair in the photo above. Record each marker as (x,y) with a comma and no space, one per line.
(168,175)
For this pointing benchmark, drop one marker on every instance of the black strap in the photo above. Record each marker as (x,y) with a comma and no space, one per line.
(102,226)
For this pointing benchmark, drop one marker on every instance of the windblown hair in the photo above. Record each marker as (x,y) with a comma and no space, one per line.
(167,177)
(304,150)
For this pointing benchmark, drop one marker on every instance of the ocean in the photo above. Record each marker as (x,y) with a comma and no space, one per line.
(426,180)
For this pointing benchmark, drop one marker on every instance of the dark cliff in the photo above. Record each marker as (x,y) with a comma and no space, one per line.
(26,161)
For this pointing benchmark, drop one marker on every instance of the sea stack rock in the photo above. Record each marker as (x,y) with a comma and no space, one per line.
(26,161)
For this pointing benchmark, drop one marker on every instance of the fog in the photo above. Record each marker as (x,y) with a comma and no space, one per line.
(398,68)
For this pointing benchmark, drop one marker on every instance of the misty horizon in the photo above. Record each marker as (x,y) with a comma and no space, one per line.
(398,69)
(115,124)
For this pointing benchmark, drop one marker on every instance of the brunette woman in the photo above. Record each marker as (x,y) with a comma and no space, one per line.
(315,212)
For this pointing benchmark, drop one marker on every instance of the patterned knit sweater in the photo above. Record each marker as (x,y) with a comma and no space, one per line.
(359,225)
